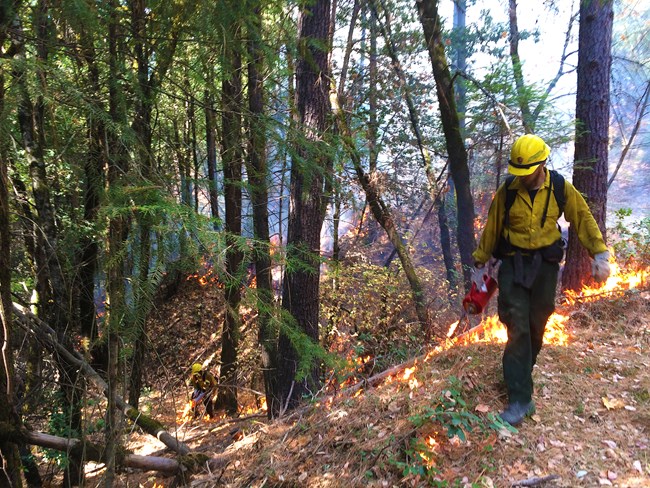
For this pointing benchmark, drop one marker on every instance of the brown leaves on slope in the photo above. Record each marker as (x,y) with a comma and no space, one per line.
(592,426)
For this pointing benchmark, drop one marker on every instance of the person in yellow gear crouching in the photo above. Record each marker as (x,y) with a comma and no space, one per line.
(204,384)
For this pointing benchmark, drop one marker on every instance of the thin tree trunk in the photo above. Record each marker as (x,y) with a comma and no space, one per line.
(529,118)
(642,106)
(431,24)
(445,242)
(211,143)
(94,182)
(154,59)
(522,96)
(117,234)
(56,299)
(383,215)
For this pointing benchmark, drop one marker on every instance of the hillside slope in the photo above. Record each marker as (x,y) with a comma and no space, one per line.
(592,425)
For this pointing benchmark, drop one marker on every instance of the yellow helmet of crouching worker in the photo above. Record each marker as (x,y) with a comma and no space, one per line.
(196,368)
(527,153)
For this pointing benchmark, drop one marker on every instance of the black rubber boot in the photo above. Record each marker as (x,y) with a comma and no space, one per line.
(516,412)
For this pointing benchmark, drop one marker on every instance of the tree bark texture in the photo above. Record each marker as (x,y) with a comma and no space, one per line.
(431,24)
(257,170)
(232,157)
(592,128)
(309,166)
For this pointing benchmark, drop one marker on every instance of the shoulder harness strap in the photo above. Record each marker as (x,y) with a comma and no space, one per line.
(557,185)
(510,199)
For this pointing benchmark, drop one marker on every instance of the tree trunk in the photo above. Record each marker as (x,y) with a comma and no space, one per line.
(153,57)
(445,242)
(592,128)
(258,179)
(91,452)
(431,24)
(231,155)
(300,297)
(93,184)
(460,53)
(118,229)
(379,209)
(211,143)
(522,96)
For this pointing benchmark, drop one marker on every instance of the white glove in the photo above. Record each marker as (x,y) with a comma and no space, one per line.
(478,275)
(600,266)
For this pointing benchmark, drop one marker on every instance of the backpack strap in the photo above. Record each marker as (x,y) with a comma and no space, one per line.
(557,186)
(510,199)
(557,182)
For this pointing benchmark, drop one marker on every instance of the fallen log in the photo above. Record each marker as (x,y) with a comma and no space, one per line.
(93,452)
(46,336)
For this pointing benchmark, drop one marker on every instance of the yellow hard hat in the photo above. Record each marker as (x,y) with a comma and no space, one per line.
(196,367)
(527,153)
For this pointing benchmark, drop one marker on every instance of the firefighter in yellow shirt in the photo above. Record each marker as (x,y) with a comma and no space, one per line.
(522,231)
(204,384)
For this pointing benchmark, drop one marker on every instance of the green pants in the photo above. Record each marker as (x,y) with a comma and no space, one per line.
(525,313)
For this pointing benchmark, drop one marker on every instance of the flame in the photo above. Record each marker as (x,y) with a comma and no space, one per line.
(408,377)
(408,372)
(618,281)
(452,329)
(186,414)
(492,330)
(429,446)
(206,276)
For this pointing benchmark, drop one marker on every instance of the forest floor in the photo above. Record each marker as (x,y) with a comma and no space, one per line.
(591,427)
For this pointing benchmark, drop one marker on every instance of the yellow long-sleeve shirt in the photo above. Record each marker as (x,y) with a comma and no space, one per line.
(525,229)
(203,380)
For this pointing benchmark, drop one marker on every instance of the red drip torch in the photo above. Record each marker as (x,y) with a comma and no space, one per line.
(477,299)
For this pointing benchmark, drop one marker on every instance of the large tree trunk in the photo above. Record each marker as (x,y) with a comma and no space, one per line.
(592,128)
(231,155)
(431,25)
(310,166)
(258,178)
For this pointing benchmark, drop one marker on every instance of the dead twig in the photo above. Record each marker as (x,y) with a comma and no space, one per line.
(536,481)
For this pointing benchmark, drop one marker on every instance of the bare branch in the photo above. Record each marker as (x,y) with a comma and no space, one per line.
(643,102)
